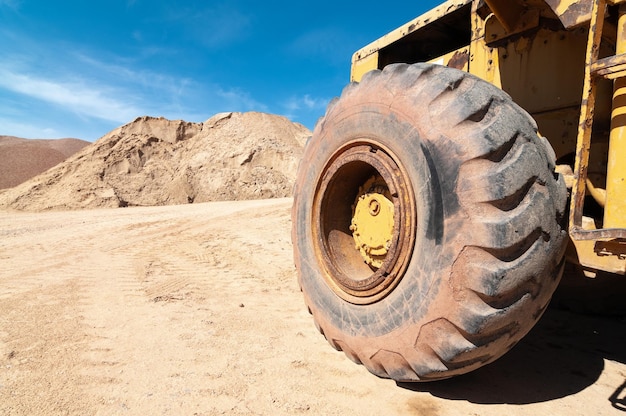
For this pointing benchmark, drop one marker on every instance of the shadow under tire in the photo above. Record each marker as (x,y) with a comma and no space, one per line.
(476,244)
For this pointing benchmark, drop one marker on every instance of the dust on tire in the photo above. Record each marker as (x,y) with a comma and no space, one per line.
(488,243)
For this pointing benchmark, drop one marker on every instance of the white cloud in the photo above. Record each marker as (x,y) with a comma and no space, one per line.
(145,78)
(113,93)
(12,4)
(240,100)
(327,44)
(305,108)
(305,102)
(83,93)
(213,27)
(13,128)
(83,98)
(224,26)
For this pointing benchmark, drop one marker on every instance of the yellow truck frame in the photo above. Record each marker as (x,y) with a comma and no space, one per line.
(563,61)
(430,221)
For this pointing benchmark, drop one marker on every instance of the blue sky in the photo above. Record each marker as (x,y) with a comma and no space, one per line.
(77,68)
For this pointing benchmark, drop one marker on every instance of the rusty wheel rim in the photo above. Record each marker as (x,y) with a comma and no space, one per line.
(343,267)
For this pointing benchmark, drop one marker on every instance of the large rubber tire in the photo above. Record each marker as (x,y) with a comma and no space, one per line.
(478,241)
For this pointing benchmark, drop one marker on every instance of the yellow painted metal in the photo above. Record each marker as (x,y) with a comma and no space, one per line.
(598,194)
(483,58)
(508,12)
(362,66)
(576,229)
(496,30)
(615,210)
(537,72)
(543,66)
(373,221)
(583,144)
(571,13)
(366,58)
(597,255)
(589,256)
(458,59)
(372,227)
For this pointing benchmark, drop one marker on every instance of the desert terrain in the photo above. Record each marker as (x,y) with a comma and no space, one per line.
(21,159)
(133,284)
(195,310)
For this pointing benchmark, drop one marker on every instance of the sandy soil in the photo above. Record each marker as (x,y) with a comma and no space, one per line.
(195,309)
(154,161)
(21,159)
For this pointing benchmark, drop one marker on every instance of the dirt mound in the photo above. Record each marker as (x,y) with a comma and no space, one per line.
(155,161)
(22,159)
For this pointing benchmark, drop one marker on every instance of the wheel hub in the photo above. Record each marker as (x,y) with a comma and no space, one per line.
(364,199)
(372,221)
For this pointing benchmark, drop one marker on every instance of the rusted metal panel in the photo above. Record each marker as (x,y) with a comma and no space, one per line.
(583,145)
(483,58)
(508,12)
(577,228)
(519,46)
(458,59)
(571,13)
(495,30)
(612,67)
(599,255)
(543,72)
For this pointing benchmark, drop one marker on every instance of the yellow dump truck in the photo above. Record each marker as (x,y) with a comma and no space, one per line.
(478,148)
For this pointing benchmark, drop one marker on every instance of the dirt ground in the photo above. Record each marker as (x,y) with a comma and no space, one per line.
(195,310)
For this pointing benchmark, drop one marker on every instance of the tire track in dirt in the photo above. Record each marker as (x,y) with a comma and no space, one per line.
(199,348)
(179,276)
(196,310)
(42,339)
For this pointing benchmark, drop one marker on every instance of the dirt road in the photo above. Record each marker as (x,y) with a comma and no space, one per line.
(195,309)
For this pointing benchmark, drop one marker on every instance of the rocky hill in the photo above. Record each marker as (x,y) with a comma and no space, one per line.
(155,161)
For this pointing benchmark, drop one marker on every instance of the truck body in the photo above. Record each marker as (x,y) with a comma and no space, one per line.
(479,149)
(541,54)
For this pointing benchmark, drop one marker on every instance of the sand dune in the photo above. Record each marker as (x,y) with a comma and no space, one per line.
(155,161)
(22,159)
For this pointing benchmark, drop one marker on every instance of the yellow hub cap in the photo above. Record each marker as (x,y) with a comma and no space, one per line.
(372,222)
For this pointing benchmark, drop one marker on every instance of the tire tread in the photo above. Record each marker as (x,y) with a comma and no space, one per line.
(505,182)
